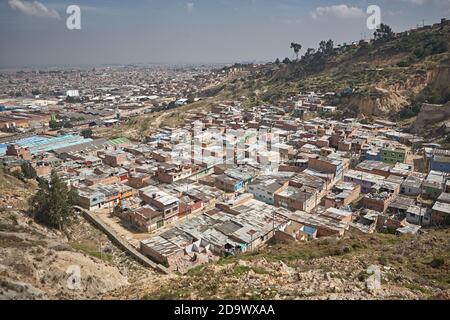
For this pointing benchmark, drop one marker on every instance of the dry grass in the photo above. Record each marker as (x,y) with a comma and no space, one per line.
(421,264)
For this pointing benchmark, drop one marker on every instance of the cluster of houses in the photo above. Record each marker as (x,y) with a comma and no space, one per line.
(104,96)
(233,178)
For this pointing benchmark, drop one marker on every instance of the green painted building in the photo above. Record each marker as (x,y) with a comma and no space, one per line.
(393,155)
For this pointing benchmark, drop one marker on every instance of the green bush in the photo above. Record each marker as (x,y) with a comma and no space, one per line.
(437,263)
(238,270)
(383,260)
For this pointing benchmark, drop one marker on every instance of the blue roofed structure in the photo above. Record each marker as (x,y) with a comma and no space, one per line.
(38,144)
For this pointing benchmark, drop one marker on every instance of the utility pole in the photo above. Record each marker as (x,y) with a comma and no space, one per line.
(273,223)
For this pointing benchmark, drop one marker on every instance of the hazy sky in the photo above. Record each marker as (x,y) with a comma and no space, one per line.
(34,33)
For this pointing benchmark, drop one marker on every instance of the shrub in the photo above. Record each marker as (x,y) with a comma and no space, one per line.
(383,260)
(437,263)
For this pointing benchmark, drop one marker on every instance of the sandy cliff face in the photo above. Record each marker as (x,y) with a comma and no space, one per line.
(382,104)
(431,115)
(439,77)
(387,99)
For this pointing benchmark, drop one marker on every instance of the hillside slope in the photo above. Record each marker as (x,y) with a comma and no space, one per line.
(34,259)
(411,268)
(379,78)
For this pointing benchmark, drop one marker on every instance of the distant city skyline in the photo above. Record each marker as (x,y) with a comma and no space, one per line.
(34,33)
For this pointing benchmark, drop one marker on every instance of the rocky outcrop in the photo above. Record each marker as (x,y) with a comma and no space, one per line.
(381,103)
(389,99)
(431,115)
(439,77)
(16,290)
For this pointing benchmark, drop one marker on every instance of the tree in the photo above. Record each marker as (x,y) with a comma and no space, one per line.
(326,47)
(28,171)
(52,204)
(296,47)
(87,133)
(322,46)
(54,125)
(310,52)
(437,45)
(286,60)
(277,61)
(329,46)
(383,33)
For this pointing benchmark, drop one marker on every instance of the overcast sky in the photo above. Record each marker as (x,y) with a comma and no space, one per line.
(34,33)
